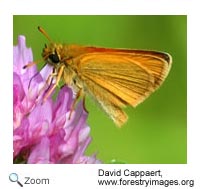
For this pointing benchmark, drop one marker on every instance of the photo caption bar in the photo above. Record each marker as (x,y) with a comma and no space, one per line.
(145,178)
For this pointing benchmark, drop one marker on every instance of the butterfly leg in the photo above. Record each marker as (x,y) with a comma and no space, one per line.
(84,106)
(59,75)
(50,77)
(48,83)
(80,93)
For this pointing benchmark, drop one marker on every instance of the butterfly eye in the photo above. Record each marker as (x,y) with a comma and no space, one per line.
(54,58)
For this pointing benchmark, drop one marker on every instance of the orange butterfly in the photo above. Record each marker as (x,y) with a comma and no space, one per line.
(114,78)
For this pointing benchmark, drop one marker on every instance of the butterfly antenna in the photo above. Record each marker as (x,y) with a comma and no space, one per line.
(47,36)
(30,64)
(44,33)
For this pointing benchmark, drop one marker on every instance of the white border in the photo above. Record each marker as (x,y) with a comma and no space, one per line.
(68,176)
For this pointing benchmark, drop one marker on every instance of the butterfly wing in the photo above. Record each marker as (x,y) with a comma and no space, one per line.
(116,79)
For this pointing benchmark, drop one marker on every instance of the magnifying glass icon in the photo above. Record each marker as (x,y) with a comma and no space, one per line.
(13,177)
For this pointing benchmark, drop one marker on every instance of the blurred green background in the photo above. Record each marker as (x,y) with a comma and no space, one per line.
(156,131)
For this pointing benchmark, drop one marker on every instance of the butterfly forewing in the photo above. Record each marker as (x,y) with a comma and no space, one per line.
(117,78)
